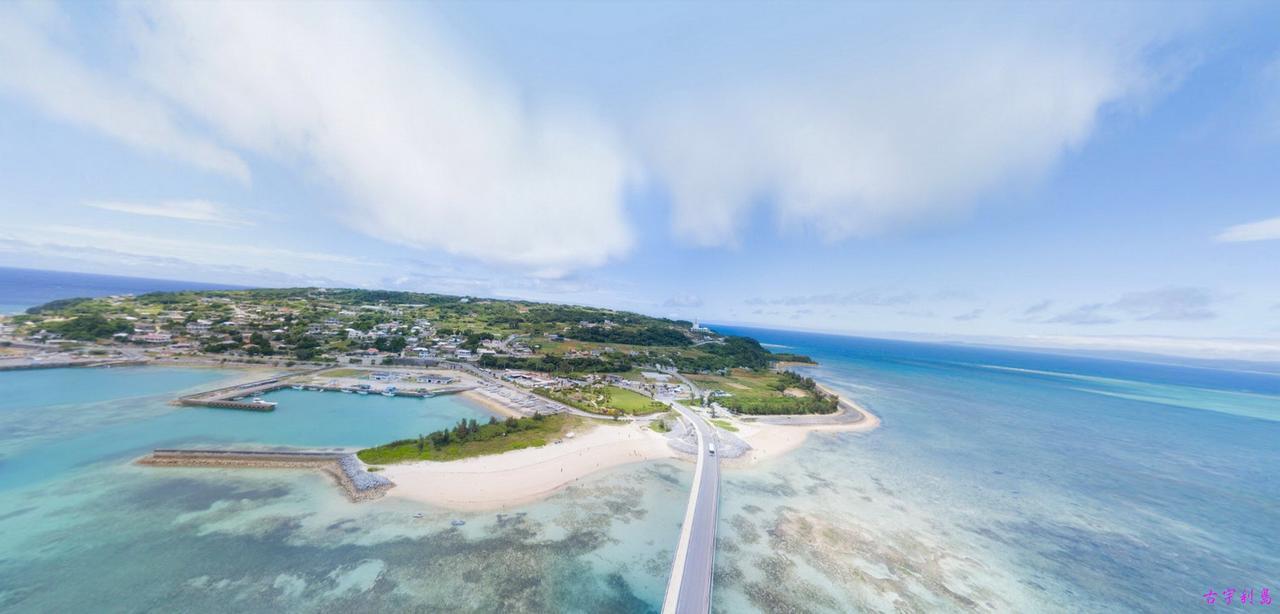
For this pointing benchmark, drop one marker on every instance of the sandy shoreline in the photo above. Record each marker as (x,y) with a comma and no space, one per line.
(773,439)
(522,476)
(490,403)
(513,478)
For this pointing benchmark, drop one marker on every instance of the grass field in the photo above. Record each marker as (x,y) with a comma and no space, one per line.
(490,440)
(726,425)
(606,400)
(632,402)
(343,373)
(757,392)
(741,383)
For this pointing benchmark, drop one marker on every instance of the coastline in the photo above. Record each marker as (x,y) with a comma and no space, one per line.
(491,404)
(522,476)
(774,436)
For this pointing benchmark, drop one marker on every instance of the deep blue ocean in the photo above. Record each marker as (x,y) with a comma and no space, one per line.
(23,288)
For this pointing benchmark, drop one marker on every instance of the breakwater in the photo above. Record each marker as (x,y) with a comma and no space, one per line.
(26,365)
(344,467)
(231,397)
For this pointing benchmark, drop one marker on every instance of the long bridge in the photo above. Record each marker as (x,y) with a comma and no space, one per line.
(692,570)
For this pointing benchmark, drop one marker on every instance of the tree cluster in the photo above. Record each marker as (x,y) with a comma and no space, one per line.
(653,334)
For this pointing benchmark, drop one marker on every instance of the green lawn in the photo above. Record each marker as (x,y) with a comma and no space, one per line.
(491,439)
(726,425)
(632,402)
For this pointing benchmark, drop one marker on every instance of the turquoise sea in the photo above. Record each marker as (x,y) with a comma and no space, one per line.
(999,482)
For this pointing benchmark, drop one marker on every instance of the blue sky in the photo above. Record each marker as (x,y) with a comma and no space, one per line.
(1101,176)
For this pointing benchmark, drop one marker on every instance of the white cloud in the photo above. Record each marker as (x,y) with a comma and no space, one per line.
(189,210)
(430,150)
(1213,348)
(1264,230)
(35,65)
(204,253)
(905,124)
(684,300)
(1178,304)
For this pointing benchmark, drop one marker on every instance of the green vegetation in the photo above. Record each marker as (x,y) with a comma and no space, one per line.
(605,400)
(89,328)
(788,357)
(768,393)
(57,305)
(651,334)
(612,363)
(469,438)
(311,324)
(734,352)
(726,425)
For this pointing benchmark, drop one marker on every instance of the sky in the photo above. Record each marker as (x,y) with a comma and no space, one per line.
(1100,175)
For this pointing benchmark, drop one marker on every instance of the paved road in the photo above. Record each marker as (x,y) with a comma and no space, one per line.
(689,589)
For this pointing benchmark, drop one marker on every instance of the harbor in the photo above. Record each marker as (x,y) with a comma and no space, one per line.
(249,396)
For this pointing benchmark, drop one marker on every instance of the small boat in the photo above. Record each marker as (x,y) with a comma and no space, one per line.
(296,386)
(313,389)
(418,515)
(346,391)
(457,522)
(388,394)
(363,392)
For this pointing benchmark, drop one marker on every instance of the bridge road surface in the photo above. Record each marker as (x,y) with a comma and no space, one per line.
(689,588)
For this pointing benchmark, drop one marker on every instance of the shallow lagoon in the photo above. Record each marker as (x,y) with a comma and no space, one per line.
(999,482)
(1035,488)
(83,528)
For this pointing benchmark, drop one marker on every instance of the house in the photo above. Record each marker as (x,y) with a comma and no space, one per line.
(364,359)
(432,378)
(359,336)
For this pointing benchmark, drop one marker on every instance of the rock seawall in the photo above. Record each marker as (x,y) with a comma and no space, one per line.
(345,468)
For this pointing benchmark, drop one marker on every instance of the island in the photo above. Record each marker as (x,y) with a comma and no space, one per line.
(572,390)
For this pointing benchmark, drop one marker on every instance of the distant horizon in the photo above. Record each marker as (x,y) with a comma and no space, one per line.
(1237,363)
(1096,177)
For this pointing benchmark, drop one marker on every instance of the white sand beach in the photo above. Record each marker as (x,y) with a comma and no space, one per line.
(494,482)
(773,440)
